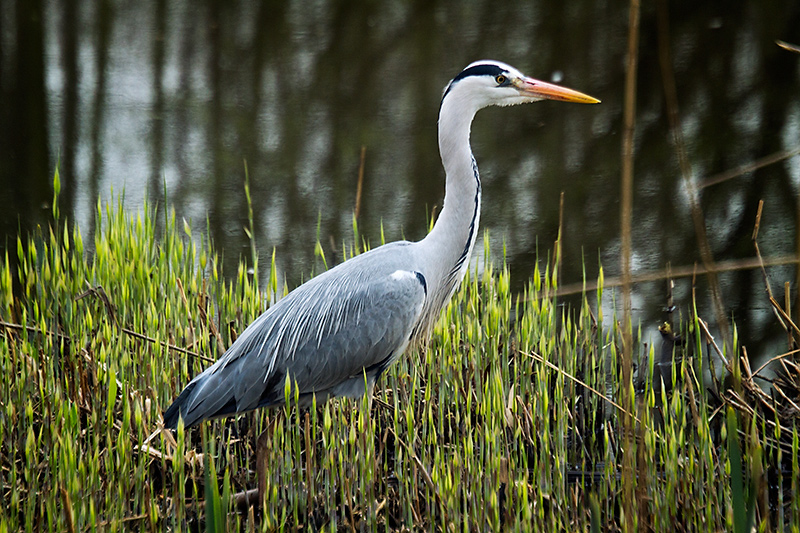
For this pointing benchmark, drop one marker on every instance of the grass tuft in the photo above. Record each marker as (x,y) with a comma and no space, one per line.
(510,418)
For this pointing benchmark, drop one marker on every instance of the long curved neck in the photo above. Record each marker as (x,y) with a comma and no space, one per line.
(450,243)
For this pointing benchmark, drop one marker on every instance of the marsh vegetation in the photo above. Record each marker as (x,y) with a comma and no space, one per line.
(510,418)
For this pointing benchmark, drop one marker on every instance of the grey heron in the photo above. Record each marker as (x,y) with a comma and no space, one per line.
(350,323)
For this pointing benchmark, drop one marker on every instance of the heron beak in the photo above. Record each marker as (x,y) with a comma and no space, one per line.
(540,89)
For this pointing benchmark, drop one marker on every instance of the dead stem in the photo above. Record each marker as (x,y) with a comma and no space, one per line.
(186,305)
(69,516)
(360,185)
(679,272)
(671,97)
(776,358)
(31,329)
(423,472)
(626,207)
(548,364)
(765,161)
(788,46)
(629,485)
(783,317)
(201,308)
(712,342)
(787,304)
(100,294)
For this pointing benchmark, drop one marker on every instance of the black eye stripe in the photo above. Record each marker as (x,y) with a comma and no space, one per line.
(478,70)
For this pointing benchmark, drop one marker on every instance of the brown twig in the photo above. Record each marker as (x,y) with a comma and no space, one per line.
(537,357)
(186,305)
(125,520)
(31,329)
(762,162)
(712,342)
(787,399)
(247,499)
(213,327)
(100,294)
(776,358)
(741,405)
(783,318)
(165,345)
(423,472)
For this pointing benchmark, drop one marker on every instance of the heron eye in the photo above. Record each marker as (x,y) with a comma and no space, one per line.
(500,79)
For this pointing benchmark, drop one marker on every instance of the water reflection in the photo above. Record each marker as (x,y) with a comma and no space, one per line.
(158,98)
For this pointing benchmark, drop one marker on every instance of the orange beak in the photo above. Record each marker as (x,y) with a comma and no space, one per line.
(541,89)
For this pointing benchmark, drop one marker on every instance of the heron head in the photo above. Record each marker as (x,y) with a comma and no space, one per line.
(489,82)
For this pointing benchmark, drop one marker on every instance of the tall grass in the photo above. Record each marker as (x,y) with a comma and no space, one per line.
(507,419)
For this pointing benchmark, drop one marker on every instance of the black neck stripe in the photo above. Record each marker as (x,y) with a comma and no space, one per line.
(453,276)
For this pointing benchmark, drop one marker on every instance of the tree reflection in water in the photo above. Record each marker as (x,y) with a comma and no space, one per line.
(158,97)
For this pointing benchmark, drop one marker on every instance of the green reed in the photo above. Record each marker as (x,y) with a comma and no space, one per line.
(503,420)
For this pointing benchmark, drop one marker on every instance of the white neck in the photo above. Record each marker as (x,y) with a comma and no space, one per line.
(449,245)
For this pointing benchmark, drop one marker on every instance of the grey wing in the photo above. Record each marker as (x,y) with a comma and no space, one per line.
(326,333)
(336,332)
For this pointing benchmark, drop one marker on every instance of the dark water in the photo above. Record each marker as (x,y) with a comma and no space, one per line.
(147,97)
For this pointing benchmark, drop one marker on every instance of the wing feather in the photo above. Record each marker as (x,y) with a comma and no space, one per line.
(359,315)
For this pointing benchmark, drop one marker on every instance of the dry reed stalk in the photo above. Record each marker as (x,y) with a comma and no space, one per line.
(360,185)
(679,272)
(776,358)
(783,317)
(788,46)
(780,406)
(100,293)
(69,516)
(762,162)
(797,251)
(618,407)
(185,301)
(626,206)
(671,97)
(629,485)
(787,304)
